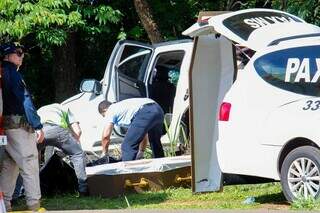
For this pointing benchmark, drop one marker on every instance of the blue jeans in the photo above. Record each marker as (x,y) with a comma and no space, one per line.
(63,139)
(148,119)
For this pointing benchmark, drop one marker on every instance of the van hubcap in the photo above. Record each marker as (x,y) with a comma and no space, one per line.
(304,178)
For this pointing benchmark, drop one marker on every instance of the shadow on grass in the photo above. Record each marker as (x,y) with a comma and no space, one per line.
(72,202)
(276,198)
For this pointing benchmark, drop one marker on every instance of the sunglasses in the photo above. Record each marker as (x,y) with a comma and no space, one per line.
(19,53)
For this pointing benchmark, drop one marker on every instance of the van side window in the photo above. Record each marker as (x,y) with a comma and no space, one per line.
(134,65)
(294,69)
(243,55)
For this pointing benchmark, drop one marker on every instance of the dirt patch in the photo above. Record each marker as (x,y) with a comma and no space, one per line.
(275,206)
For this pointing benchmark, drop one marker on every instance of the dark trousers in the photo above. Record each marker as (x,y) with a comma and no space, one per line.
(149,119)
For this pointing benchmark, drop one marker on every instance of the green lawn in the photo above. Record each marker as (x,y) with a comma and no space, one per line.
(266,196)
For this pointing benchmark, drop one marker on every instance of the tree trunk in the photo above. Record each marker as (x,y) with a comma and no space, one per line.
(145,14)
(64,69)
(283,5)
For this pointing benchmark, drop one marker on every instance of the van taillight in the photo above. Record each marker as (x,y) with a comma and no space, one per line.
(224,111)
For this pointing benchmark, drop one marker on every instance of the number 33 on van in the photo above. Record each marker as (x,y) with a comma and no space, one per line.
(312,105)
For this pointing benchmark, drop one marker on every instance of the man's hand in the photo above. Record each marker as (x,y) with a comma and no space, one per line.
(40,135)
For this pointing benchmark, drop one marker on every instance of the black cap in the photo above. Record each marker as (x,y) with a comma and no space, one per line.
(9,48)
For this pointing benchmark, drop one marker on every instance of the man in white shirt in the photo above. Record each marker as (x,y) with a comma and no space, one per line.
(62,130)
(142,116)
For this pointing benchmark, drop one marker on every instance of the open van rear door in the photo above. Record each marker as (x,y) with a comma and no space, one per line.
(255,28)
(211,74)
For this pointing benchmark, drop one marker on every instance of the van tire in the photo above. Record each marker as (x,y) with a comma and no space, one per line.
(302,165)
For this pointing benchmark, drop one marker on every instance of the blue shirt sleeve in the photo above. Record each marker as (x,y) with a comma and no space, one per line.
(15,83)
(111,116)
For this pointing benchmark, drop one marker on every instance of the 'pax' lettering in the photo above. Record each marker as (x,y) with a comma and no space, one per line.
(301,70)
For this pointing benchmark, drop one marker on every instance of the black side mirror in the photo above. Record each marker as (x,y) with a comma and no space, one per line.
(91,86)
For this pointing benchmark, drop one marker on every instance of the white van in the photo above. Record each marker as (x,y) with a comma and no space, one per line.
(136,70)
(267,111)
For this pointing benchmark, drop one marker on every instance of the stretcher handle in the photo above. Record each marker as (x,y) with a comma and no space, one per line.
(179,179)
(143,183)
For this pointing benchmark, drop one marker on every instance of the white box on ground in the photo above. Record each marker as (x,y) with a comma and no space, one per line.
(3,140)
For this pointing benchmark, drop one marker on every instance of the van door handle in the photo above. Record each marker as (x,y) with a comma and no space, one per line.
(135,85)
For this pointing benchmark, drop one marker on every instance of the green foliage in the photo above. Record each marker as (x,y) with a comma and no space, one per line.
(52,36)
(309,10)
(64,122)
(122,35)
(98,18)
(50,21)
(136,32)
(177,15)
(179,137)
(172,140)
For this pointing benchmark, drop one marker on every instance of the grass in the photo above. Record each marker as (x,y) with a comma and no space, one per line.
(265,195)
(306,204)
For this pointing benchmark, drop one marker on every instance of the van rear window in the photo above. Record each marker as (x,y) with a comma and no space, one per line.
(244,24)
(294,69)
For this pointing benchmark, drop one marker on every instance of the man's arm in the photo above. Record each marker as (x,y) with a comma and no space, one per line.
(106,134)
(143,144)
(142,147)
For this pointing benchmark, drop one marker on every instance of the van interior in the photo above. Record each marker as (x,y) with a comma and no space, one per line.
(164,78)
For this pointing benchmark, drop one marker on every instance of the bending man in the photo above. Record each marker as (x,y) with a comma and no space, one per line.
(142,116)
(62,130)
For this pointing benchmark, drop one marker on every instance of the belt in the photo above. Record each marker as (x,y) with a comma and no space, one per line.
(148,104)
(16,122)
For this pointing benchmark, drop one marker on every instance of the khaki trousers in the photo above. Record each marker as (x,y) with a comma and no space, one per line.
(21,155)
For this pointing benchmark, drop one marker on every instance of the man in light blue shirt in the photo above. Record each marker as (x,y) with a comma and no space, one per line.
(142,116)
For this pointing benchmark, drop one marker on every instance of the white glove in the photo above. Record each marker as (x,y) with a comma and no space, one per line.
(140,155)
(105,157)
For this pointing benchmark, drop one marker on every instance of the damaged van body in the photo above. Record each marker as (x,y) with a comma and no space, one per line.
(136,69)
(262,113)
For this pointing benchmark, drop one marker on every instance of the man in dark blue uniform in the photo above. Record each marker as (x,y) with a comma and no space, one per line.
(23,128)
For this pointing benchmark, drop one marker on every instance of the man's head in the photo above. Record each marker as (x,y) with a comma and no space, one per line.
(13,52)
(103,107)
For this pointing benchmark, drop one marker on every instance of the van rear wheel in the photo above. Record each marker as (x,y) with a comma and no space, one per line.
(300,173)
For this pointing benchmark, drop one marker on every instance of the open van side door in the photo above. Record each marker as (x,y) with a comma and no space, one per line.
(130,68)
